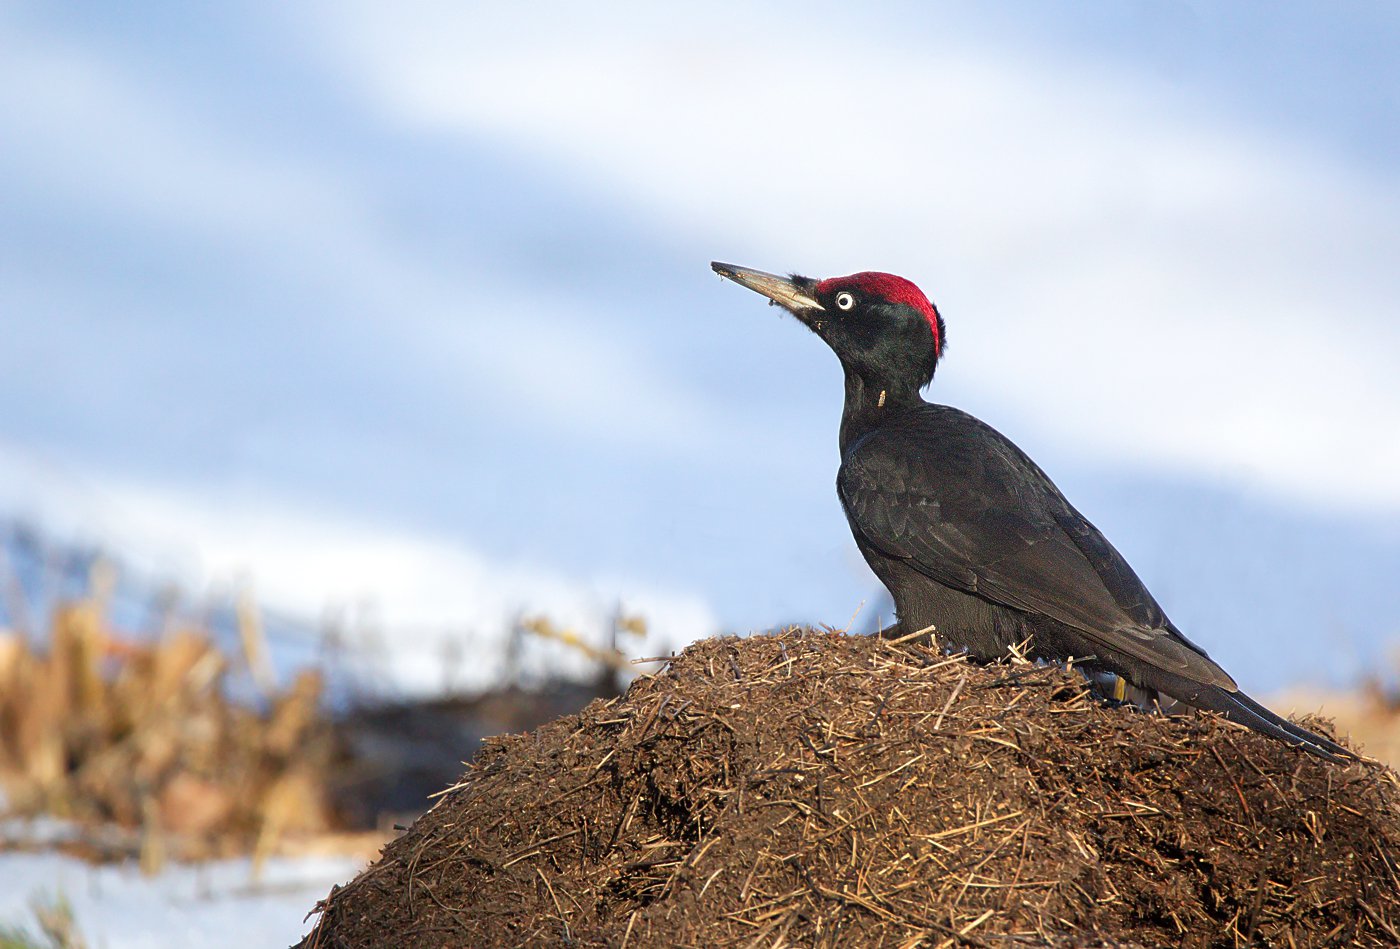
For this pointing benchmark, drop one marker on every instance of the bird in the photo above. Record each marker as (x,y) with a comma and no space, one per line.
(976,545)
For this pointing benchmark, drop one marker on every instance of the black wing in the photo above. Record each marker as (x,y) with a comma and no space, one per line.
(960,503)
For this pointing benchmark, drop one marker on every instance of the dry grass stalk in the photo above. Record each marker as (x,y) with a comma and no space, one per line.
(144,736)
(609,658)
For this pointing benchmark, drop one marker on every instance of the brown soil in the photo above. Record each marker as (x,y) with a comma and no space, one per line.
(819,789)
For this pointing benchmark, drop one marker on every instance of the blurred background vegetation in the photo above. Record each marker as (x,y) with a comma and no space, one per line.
(155,720)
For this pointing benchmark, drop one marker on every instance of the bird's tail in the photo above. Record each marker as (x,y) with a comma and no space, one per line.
(1240,708)
(1243,710)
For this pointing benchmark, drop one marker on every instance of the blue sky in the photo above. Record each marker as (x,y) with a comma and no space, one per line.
(411,306)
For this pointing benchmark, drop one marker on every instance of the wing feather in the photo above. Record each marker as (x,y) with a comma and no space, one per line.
(958,501)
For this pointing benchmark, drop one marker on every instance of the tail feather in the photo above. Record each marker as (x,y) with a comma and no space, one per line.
(1149,687)
(1240,708)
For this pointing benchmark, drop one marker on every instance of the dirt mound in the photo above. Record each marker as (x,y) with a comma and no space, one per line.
(819,789)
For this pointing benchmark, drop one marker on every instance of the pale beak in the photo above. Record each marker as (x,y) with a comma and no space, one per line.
(790,292)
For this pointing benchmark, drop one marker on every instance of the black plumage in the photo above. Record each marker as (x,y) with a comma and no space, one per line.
(971,538)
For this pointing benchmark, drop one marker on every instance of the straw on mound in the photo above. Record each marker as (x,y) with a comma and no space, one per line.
(821,789)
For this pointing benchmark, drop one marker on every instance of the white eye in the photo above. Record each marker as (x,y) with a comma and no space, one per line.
(844,301)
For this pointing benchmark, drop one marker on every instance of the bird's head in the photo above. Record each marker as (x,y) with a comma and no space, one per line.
(880,326)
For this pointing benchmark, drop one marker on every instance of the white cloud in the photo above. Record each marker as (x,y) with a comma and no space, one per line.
(1120,265)
(88,132)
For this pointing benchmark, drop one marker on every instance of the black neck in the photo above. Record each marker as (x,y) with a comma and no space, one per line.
(870,401)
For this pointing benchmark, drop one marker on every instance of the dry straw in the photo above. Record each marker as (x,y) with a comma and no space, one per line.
(818,789)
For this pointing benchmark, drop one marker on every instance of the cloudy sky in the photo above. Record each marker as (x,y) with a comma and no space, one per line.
(410,304)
